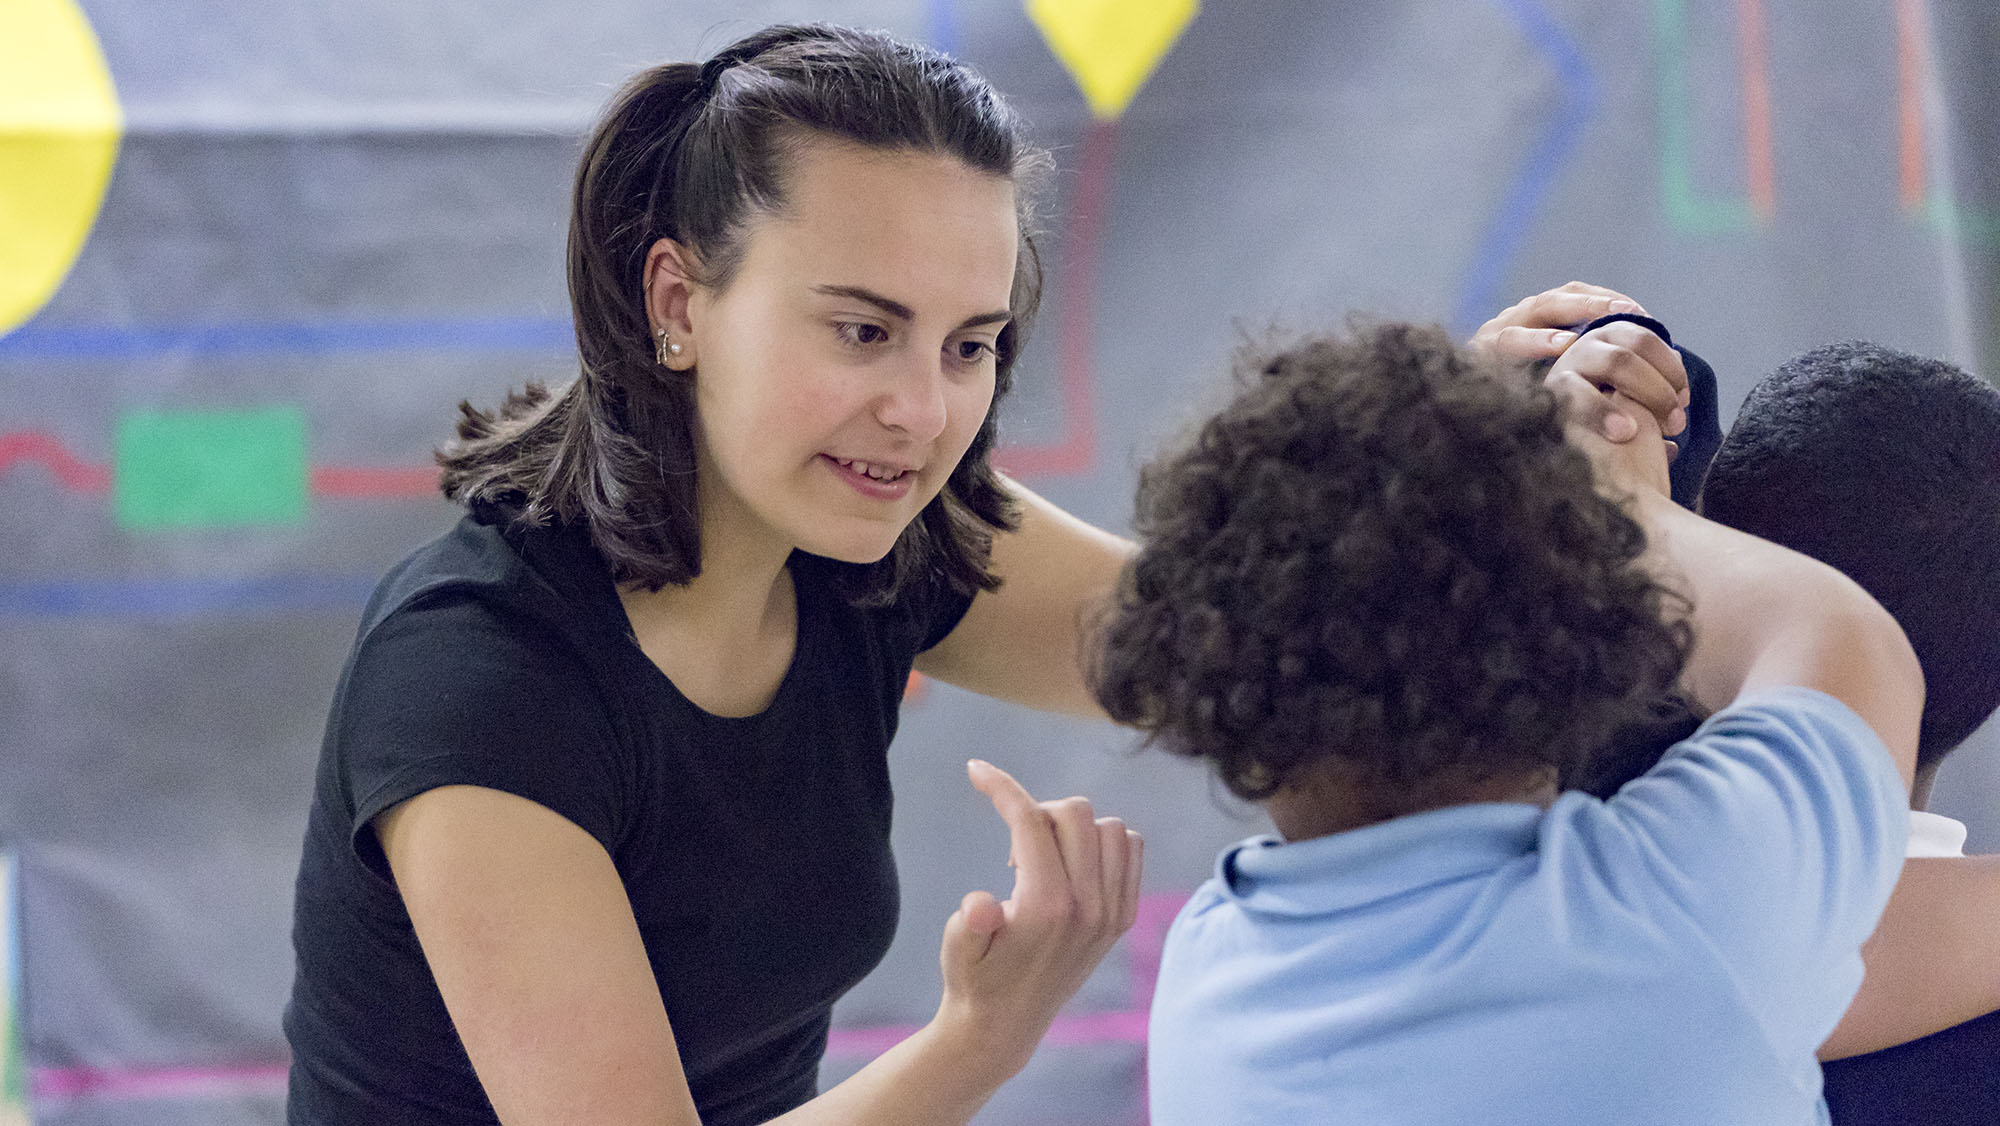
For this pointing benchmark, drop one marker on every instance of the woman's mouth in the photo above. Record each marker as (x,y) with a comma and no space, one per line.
(872,479)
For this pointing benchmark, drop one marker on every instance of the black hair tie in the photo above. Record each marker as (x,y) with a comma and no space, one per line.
(711,73)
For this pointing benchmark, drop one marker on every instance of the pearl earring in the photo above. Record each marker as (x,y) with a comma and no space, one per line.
(665,347)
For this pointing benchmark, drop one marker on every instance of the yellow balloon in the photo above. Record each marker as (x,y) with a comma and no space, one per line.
(1111,46)
(59,128)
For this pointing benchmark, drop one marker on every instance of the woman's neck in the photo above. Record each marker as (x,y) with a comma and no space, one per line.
(726,637)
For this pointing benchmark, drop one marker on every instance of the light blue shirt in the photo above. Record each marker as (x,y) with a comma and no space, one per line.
(1673,955)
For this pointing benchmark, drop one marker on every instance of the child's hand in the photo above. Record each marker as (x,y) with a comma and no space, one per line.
(1538,327)
(1624,468)
(1009,966)
(1619,357)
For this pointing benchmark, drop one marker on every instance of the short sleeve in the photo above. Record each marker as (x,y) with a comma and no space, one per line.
(1778,829)
(940,607)
(455,691)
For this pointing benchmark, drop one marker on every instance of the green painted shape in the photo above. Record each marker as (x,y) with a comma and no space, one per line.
(1687,209)
(13,1048)
(207,469)
(14,1085)
(1968,224)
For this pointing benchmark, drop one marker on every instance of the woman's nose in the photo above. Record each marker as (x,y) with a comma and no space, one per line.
(914,402)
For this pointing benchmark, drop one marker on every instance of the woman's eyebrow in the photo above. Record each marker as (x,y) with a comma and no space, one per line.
(902,312)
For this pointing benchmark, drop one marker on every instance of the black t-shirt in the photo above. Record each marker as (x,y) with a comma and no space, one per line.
(1949,1078)
(499,656)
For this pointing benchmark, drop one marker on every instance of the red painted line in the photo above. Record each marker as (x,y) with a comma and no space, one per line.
(1910,63)
(1756,69)
(41,446)
(77,475)
(369,481)
(1076,450)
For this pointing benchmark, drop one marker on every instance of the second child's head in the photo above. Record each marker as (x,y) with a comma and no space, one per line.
(1381,579)
(1885,465)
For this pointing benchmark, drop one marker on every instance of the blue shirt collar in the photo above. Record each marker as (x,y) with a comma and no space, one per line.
(1376,862)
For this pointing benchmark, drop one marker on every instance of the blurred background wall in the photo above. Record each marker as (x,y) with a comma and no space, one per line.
(325,224)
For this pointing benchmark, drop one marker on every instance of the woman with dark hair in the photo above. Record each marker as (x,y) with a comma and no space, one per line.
(1382,594)
(601,828)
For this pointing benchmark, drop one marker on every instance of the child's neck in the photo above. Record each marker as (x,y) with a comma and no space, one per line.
(1331,801)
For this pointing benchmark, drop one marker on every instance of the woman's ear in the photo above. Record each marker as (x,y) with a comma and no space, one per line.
(670,284)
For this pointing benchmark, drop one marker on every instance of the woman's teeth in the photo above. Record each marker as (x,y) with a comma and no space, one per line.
(878,472)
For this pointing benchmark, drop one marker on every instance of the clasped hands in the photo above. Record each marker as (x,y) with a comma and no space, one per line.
(1623,388)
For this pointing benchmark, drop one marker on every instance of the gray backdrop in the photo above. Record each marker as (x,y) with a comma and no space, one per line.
(356,210)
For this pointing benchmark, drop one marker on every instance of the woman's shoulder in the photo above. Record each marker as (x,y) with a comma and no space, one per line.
(466,672)
(493,571)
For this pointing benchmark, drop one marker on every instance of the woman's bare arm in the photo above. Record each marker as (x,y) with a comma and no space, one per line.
(1763,615)
(1933,962)
(527,929)
(1024,642)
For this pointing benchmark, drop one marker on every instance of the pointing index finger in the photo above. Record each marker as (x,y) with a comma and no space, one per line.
(1037,860)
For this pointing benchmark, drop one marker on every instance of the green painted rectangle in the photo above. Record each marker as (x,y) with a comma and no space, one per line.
(205,469)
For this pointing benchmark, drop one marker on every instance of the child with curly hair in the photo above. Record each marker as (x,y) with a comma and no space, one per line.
(1388,596)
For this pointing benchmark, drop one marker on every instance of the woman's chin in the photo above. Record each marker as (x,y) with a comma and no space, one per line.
(849,549)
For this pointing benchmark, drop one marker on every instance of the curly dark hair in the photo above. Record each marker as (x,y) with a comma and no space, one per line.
(1383,554)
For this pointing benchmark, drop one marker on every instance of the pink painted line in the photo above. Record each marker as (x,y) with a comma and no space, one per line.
(1125,1026)
(156,1082)
(1146,941)
(1098,1028)
(870,1041)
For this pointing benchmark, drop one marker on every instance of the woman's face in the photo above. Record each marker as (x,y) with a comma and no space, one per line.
(847,365)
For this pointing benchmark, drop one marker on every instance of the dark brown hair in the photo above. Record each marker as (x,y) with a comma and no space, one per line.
(1382,555)
(693,153)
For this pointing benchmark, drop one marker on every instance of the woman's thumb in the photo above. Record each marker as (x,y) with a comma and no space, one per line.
(969,933)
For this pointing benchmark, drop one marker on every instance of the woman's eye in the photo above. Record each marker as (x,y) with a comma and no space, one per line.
(971,351)
(862,334)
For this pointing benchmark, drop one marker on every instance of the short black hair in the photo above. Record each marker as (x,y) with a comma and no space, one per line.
(1886,466)
(1383,555)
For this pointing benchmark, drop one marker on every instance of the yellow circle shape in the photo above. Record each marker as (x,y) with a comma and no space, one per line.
(59,128)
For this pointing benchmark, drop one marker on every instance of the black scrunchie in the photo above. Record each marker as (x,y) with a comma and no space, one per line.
(711,73)
(1703,436)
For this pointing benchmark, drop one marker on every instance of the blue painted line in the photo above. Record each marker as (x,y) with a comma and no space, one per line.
(941,25)
(102,342)
(1480,296)
(188,598)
